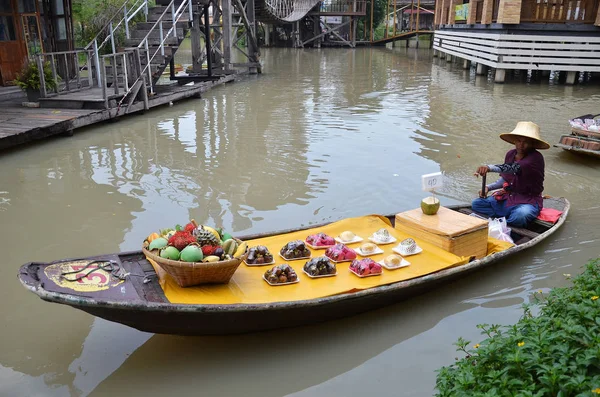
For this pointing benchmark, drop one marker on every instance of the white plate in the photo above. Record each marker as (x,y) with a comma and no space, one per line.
(278,284)
(368,275)
(317,247)
(357,239)
(259,264)
(402,264)
(399,251)
(377,251)
(294,259)
(391,240)
(321,275)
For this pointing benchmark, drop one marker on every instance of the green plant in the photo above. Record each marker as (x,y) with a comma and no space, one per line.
(556,353)
(29,77)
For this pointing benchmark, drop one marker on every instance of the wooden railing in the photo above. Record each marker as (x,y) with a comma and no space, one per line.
(478,11)
(559,11)
(495,9)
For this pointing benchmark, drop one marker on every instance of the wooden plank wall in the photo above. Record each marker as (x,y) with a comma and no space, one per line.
(530,52)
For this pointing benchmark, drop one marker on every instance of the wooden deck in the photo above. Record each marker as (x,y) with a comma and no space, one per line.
(20,125)
(401,36)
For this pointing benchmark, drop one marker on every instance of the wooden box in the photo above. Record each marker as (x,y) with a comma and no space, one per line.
(450,230)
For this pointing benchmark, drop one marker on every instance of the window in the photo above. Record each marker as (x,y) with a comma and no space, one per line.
(5,6)
(59,8)
(61,29)
(27,6)
(7,28)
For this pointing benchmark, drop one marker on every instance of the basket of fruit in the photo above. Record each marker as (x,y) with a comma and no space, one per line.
(196,254)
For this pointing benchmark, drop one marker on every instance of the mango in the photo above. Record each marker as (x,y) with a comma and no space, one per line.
(226,236)
(158,243)
(170,252)
(191,253)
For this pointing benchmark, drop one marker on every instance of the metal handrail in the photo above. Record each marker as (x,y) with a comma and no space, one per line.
(123,8)
(176,15)
(144,43)
(94,47)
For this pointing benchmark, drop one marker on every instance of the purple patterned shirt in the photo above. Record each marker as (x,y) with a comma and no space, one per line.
(527,185)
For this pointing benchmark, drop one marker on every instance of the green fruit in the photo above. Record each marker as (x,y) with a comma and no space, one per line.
(158,243)
(430,205)
(230,246)
(226,236)
(191,253)
(170,252)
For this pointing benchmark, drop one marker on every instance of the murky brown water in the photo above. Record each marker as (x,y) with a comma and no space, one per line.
(322,135)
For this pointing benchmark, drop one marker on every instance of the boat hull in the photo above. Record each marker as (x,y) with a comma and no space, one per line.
(140,303)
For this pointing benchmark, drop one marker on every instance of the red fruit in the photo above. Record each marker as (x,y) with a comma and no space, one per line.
(189,228)
(181,239)
(376,268)
(350,254)
(209,249)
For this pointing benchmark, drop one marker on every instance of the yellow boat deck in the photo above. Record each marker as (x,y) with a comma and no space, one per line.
(247,285)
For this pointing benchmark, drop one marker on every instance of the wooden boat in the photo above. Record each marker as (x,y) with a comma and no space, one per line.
(581,141)
(579,144)
(140,302)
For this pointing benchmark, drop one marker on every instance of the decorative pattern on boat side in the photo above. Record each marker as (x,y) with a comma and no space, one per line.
(96,279)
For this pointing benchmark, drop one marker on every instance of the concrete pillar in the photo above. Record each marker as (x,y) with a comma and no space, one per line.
(500,75)
(466,64)
(481,69)
(571,78)
(448,58)
(435,53)
(267,35)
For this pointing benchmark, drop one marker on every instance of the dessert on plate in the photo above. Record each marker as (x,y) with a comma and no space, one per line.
(294,250)
(320,240)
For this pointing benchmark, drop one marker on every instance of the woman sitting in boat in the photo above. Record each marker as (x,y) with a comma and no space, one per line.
(518,195)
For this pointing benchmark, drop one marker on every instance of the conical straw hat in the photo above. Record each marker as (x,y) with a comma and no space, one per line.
(526,129)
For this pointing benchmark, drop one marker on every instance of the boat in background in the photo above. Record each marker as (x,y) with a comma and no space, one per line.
(138,300)
(584,137)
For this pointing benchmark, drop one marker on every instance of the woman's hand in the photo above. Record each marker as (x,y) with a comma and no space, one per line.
(481,171)
(486,192)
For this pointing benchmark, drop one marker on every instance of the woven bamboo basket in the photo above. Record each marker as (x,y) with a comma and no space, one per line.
(188,274)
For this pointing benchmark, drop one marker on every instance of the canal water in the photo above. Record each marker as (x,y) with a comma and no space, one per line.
(321,135)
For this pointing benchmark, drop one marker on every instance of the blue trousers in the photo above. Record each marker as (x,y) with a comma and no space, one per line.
(517,215)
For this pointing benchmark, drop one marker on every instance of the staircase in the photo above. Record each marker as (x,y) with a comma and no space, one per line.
(90,80)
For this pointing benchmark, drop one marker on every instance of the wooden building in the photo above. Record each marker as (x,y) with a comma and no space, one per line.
(30,27)
(539,35)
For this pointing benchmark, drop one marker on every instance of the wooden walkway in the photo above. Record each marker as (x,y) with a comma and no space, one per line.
(20,125)
(401,36)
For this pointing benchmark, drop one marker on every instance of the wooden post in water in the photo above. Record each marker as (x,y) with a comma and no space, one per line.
(196,44)
(372,2)
(418,13)
(387,19)
(227,33)
(412,13)
(395,11)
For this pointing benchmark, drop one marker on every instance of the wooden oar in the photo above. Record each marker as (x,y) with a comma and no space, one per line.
(483,193)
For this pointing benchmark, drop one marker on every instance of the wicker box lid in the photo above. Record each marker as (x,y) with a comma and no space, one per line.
(446,222)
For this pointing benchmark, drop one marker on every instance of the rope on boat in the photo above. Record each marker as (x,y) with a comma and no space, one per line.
(110,267)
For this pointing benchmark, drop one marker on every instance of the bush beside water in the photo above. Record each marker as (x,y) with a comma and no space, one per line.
(556,353)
